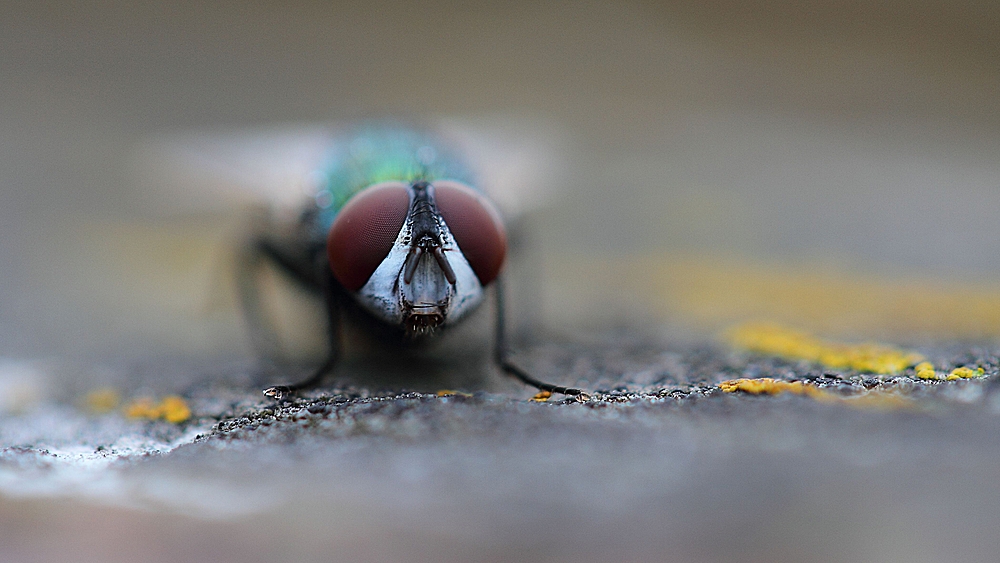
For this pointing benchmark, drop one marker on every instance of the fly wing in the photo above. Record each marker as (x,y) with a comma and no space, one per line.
(520,162)
(517,162)
(221,170)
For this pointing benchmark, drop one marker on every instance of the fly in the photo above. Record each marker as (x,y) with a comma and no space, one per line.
(396,227)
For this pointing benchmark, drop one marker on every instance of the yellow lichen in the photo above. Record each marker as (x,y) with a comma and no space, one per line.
(712,290)
(142,408)
(768,386)
(925,370)
(172,409)
(451,393)
(101,401)
(964,373)
(781,341)
(541,396)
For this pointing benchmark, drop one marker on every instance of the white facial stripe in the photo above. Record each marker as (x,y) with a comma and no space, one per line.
(468,293)
(382,294)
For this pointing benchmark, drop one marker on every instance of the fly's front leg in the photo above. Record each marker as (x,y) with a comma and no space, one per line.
(331,296)
(501,353)
(252,256)
(296,265)
(305,264)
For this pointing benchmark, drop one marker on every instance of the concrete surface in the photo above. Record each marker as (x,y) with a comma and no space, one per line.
(659,464)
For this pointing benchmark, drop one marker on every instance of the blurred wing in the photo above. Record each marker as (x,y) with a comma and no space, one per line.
(519,164)
(217,171)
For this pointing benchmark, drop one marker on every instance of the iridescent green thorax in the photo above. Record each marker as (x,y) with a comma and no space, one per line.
(376,154)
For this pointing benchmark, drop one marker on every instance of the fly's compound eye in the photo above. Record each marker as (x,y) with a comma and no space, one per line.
(364,231)
(476,226)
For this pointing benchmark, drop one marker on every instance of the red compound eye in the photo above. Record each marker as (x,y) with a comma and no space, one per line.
(476,226)
(364,231)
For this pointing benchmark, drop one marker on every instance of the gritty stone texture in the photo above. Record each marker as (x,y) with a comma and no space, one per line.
(659,464)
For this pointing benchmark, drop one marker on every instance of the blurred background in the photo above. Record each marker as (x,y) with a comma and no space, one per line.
(834,164)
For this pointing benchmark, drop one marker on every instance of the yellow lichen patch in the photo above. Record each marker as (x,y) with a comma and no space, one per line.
(768,386)
(716,290)
(142,408)
(101,401)
(451,393)
(172,409)
(541,396)
(773,339)
(964,373)
(925,370)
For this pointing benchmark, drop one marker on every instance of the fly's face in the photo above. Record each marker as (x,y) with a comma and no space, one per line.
(417,255)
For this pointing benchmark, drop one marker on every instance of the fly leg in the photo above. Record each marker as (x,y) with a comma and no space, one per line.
(332,298)
(292,258)
(501,353)
(263,337)
(303,262)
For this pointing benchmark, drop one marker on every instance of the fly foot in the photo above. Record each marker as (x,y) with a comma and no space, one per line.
(278,392)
